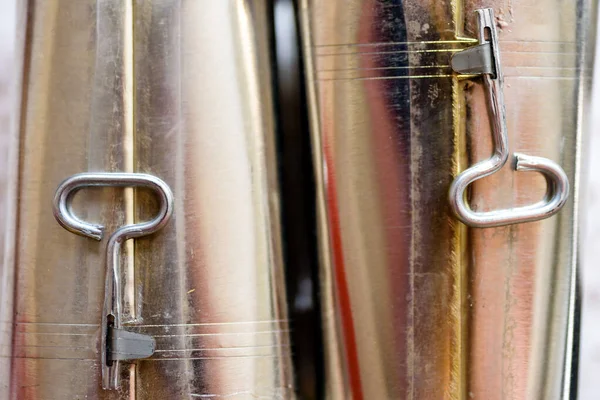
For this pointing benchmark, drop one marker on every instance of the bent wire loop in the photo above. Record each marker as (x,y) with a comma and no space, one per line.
(116,343)
(484,59)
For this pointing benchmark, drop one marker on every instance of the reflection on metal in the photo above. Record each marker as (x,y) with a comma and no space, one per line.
(116,344)
(485,59)
(176,89)
(416,304)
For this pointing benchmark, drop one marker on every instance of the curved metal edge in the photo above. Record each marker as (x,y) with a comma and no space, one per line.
(61,209)
(67,189)
(557,181)
(556,197)
(112,294)
(556,177)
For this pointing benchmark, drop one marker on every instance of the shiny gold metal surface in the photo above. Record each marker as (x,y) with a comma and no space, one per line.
(180,89)
(416,305)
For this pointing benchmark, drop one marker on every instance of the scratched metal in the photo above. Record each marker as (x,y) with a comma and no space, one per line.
(415,305)
(180,89)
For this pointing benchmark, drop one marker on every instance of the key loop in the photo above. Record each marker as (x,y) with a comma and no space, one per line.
(484,60)
(111,314)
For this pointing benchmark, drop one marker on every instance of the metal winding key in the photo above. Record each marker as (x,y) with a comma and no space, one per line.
(484,59)
(117,344)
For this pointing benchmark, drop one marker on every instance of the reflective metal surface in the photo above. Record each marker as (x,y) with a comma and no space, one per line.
(415,304)
(116,344)
(557,181)
(179,89)
(9,173)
